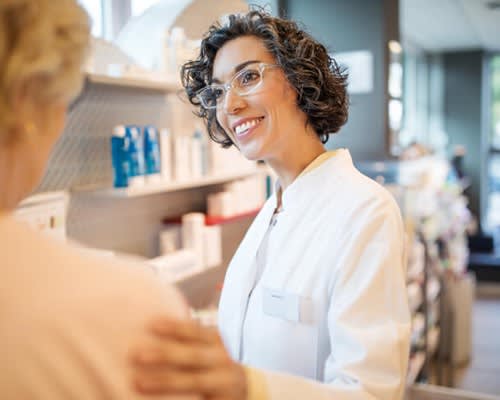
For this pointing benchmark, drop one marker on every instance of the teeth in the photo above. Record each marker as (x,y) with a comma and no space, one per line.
(246,125)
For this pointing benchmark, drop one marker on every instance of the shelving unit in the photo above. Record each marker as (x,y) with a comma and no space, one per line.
(433,340)
(168,186)
(424,295)
(195,275)
(415,365)
(81,164)
(415,297)
(211,220)
(141,83)
(200,288)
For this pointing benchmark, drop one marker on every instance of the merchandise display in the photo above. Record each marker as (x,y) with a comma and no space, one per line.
(142,157)
(436,217)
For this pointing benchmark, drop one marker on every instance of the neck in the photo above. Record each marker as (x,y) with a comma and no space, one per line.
(301,151)
(13,187)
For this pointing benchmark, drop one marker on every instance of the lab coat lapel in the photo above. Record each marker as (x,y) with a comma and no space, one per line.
(240,279)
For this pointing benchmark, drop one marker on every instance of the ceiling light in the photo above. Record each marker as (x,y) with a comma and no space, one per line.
(394,47)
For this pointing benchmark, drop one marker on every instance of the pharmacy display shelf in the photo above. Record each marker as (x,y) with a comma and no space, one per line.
(193,274)
(199,288)
(211,220)
(170,186)
(206,316)
(433,340)
(433,289)
(215,220)
(139,83)
(415,366)
(415,296)
(417,329)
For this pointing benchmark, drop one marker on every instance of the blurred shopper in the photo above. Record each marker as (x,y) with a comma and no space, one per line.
(67,321)
(314,303)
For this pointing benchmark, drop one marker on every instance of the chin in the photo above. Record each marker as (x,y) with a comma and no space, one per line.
(253,151)
(251,155)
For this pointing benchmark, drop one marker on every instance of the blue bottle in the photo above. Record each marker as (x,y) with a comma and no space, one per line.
(119,157)
(135,156)
(151,152)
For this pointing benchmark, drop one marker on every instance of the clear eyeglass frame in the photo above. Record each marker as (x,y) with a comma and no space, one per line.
(212,96)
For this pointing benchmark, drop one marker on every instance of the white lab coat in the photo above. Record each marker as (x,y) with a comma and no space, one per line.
(331,305)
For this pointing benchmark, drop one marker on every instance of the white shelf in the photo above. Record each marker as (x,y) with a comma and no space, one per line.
(200,287)
(171,186)
(206,316)
(193,274)
(140,83)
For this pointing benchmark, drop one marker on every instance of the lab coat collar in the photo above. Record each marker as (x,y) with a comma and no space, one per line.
(298,191)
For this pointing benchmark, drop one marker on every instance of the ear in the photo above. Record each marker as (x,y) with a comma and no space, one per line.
(291,91)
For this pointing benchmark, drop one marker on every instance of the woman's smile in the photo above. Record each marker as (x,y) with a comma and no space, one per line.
(244,127)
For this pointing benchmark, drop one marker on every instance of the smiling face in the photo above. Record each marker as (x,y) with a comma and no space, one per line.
(259,122)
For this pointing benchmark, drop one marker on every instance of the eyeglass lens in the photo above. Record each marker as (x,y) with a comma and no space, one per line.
(242,83)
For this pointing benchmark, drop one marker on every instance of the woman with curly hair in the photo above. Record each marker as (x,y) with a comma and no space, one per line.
(314,300)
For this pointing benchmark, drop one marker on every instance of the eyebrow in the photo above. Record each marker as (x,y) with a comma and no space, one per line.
(238,68)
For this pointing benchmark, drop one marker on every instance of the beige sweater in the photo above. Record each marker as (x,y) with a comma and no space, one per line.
(67,321)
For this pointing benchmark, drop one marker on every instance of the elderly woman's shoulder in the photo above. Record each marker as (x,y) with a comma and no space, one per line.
(81,272)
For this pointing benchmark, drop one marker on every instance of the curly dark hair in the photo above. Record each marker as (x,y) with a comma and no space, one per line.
(320,83)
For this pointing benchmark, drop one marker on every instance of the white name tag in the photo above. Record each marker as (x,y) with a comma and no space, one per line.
(281,304)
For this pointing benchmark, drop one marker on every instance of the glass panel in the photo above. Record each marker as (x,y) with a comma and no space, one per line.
(395,114)
(94,8)
(493,173)
(495,110)
(395,79)
(395,104)
(139,6)
(493,213)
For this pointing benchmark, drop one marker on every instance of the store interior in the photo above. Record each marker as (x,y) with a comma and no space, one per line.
(424,122)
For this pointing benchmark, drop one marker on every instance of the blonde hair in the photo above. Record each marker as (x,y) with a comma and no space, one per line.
(43,44)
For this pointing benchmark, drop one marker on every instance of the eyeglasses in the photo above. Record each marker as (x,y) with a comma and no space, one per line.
(243,83)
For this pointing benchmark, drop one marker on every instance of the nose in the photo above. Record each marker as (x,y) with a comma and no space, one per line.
(232,102)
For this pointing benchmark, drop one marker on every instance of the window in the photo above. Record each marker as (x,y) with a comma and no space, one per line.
(395,90)
(495,108)
(493,214)
(423,100)
(139,6)
(95,10)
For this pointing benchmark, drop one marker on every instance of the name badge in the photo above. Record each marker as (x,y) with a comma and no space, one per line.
(281,304)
